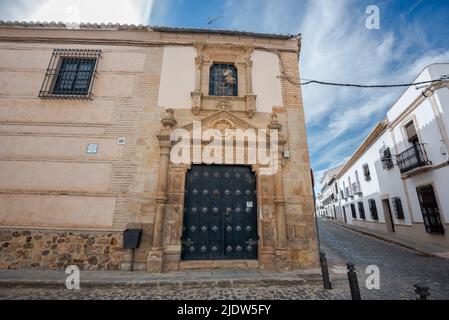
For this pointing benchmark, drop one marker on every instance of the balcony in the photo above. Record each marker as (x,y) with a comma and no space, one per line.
(413,158)
(348,193)
(356,189)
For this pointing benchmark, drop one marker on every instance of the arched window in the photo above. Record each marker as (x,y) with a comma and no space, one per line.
(223,80)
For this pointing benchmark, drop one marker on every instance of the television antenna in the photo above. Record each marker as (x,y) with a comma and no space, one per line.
(211,21)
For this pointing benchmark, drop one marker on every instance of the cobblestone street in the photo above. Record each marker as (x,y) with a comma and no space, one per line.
(400,268)
(303,292)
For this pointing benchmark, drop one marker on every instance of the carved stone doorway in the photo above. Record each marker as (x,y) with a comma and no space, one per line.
(220,214)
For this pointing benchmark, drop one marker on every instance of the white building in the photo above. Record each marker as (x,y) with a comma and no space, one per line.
(398,179)
(327,200)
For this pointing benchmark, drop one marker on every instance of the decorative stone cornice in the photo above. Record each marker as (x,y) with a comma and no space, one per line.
(220,115)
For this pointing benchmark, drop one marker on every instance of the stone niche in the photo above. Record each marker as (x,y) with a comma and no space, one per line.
(240,57)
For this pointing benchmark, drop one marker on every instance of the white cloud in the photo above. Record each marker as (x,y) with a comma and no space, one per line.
(95,11)
(341,49)
(336,46)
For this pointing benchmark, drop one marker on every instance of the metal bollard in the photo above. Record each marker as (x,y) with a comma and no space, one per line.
(325,271)
(422,290)
(353,282)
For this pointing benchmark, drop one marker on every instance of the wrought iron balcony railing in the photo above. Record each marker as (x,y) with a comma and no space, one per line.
(349,193)
(412,158)
(356,189)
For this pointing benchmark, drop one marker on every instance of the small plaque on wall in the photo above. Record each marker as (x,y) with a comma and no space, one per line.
(92,148)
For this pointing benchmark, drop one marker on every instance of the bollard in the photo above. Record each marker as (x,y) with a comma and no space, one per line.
(353,282)
(422,290)
(325,271)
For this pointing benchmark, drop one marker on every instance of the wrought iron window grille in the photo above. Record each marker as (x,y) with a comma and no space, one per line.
(361,211)
(397,208)
(430,210)
(386,158)
(373,209)
(353,212)
(366,172)
(70,74)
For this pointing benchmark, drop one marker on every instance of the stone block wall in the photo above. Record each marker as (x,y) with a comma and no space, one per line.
(38,249)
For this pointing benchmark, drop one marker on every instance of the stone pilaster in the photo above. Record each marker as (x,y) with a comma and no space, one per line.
(250,105)
(282,252)
(279,203)
(155,258)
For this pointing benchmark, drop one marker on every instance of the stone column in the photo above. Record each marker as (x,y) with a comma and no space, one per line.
(279,202)
(250,98)
(197,94)
(198,64)
(155,258)
(249,77)
(282,251)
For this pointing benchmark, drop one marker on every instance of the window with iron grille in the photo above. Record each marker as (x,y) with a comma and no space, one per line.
(362,211)
(223,80)
(397,208)
(366,172)
(387,159)
(373,209)
(430,210)
(70,74)
(354,214)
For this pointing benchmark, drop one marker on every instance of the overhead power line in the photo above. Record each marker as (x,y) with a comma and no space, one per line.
(443,78)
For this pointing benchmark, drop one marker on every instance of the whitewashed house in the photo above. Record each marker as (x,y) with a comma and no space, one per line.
(327,200)
(398,179)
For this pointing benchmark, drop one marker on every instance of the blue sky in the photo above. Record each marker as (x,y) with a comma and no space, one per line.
(336,47)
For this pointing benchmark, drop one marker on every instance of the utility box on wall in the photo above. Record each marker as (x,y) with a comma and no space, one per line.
(131,238)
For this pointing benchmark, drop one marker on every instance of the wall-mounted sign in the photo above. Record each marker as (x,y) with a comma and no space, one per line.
(249,204)
(121,140)
(92,148)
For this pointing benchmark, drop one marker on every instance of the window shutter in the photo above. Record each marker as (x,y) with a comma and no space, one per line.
(411,131)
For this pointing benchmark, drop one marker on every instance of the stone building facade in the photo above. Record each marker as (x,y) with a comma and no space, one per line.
(88,118)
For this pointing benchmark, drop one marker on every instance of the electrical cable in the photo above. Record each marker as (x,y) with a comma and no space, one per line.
(443,78)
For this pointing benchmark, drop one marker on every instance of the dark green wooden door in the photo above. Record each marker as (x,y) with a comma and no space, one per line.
(220,214)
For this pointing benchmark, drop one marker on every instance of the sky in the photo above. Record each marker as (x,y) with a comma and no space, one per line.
(336,46)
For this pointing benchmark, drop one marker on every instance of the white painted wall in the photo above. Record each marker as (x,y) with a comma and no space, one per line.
(370,189)
(387,184)
(442,100)
(390,182)
(429,134)
(407,97)
(177,77)
(266,81)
